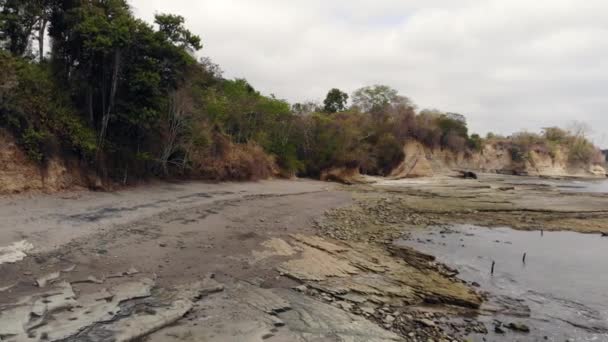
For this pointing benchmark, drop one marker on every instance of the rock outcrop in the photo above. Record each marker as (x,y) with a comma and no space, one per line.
(417,162)
(344,175)
(420,161)
(124,312)
(18,173)
(365,273)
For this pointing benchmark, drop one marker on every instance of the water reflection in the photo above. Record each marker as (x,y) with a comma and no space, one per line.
(560,288)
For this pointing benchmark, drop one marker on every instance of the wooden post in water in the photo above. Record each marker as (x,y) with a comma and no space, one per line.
(542,232)
(493,264)
(524,258)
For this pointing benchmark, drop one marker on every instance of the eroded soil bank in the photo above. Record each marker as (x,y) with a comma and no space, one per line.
(272,261)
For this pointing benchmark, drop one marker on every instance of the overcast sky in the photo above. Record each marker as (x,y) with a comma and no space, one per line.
(508,65)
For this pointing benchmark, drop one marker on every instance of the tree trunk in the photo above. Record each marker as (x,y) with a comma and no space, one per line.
(111,98)
(107,111)
(90,106)
(41,34)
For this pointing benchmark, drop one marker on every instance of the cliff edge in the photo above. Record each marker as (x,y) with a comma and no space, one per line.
(420,161)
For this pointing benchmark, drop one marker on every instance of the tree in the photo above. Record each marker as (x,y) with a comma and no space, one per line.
(172,27)
(335,101)
(120,70)
(173,125)
(475,143)
(305,108)
(377,98)
(44,11)
(17,21)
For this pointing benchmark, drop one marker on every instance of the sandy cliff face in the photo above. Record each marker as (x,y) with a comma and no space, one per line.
(18,173)
(420,161)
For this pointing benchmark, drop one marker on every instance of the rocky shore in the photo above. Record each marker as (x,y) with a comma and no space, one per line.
(278,261)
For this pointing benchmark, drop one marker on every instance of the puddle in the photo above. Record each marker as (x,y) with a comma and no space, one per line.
(589,186)
(560,292)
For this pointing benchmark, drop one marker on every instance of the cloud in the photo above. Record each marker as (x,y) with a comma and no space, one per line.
(506,64)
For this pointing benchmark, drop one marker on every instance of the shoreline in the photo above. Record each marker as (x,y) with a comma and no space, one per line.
(285,258)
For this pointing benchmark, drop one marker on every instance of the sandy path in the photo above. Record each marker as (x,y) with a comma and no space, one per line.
(50,221)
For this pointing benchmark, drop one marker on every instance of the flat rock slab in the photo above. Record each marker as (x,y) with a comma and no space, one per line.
(373,272)
(315,321)
(261,299)
(121,313)
(244,312)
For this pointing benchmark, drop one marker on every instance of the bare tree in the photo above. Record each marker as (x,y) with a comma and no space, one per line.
(173,128)
(579,129)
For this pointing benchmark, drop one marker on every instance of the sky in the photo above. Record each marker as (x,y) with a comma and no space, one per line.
(508,65)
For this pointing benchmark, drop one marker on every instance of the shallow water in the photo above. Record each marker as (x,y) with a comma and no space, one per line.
(590,186)
(561,291)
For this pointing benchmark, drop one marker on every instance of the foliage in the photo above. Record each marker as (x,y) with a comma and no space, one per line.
(172,27)
(223,159)
(305,108)
(377,98)
(18,21)
(582,152)
(335,101)
(35,111)
(578,149)
(440,130)
(475,143)
(555,134)
(131,99)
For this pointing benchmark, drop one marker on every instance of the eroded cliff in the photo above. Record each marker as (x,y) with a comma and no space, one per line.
(420,161)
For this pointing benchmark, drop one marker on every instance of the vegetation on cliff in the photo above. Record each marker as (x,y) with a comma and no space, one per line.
(130,99)
(551,141)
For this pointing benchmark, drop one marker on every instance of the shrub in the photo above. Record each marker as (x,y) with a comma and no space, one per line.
(34,143)
(225,160)
(581,151)
(522,143)
(475,143)
(556,134)
(518,154)
(388,152)
(35,110)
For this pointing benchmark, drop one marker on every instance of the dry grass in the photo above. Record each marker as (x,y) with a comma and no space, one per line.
(225,160)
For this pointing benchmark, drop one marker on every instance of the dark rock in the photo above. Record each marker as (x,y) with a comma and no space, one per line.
(468,175)
(498,330)
(519,327)
(426,322)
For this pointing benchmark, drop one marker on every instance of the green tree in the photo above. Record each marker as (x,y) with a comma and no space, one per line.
(19,19)
(377,98)
(172,27)
(335,101)
(475,143)
(36,111)
(120,70)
